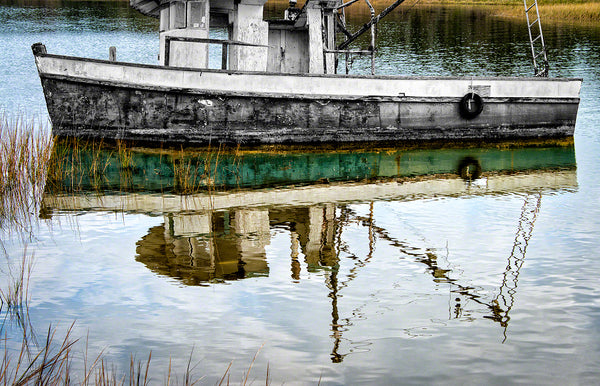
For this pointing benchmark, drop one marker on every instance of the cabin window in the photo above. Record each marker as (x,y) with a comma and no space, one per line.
(177,15)
(196,17)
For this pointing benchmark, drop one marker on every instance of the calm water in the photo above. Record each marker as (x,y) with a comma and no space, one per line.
(423,281)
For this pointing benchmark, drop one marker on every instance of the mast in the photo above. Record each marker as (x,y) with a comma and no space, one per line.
(536,40)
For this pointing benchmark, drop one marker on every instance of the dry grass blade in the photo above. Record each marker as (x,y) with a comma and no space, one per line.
(252,364)
(267,378)
(168,382)
(225,374)
(47,367)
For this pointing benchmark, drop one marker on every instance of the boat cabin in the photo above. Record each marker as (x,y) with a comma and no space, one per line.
(296,43)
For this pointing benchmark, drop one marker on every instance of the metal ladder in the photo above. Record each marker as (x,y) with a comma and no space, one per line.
(538,48)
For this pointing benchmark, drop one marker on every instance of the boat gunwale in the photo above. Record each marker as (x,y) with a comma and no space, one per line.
(302,75)
(328,97)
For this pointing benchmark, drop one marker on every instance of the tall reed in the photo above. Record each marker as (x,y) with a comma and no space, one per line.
(25,149)
(14,291)
(55,362)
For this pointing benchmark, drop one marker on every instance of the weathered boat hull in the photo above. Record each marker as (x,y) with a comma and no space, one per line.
(102,99)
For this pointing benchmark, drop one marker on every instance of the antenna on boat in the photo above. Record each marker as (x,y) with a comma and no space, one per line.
(538,48)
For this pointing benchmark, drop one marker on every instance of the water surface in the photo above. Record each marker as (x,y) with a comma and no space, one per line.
(392,271)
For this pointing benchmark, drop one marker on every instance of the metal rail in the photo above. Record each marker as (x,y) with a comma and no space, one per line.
(367,26)
(350,37)
(224,42)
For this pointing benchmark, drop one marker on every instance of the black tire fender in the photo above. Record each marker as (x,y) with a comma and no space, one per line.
(471,105)
(469,169)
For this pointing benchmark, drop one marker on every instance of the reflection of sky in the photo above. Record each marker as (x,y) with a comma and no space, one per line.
(392,314)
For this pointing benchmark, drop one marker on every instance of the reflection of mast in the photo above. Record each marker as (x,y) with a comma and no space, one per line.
(502,304)
(336,327)
(505,300)
(319,236)
(328,256)
(326,233)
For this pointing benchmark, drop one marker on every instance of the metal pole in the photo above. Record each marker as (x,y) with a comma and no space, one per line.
(372,37)
(224,56)
(365,27)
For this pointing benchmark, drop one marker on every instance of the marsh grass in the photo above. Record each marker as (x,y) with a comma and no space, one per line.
(74,161)
(14,294)
(25,150)
(189,174)
(575,12)
(226,376)
(86,166)
(58,362)
(556,11)
(49,365)
(193,173)
(55,363)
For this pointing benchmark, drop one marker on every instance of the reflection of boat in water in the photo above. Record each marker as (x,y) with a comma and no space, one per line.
(216,236)
(86,166)
(224,227)
(208,247)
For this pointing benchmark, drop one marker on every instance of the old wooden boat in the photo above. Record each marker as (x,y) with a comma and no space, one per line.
(279,83)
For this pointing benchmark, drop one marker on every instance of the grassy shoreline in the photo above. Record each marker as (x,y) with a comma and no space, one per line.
(552,11)
(576,11)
